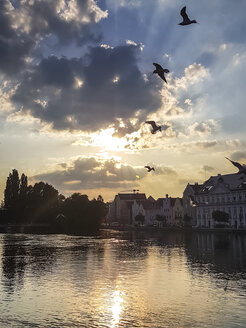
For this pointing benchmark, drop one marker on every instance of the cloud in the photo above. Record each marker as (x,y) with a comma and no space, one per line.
(238,155)
(49,92)
(207,168)
(203,128)
(95,172)
(204,145)
(24,25)
(90,173)
(67,20)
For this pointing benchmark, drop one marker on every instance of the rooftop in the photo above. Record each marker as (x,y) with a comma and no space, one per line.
(233,181)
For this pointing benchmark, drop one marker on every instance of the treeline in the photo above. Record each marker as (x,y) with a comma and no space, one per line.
(41,204)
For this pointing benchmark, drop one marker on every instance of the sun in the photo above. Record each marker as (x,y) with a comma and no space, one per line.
(107,141)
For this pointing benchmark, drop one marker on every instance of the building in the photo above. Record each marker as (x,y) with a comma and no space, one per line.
(120,210)
(224,193)
(189,204)
(172,210)
(148,208)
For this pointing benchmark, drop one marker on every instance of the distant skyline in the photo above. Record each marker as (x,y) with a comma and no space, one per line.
(76,86)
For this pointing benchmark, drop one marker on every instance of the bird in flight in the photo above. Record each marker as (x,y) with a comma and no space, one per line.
(160,71)
(155,127)
(149,168)
(241,168)
(186,20)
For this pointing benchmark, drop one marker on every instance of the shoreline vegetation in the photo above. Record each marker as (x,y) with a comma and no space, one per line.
(40,208)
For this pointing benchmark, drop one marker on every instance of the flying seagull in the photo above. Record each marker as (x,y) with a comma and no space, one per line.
(154,126)
(186,20)
(241,168)
(160,71)
(149,168)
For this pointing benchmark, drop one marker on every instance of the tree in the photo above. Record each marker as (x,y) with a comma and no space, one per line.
(160,217)
(100,199)
(43,202)
(11,192)
(83,215)
(140,218)
(220,216)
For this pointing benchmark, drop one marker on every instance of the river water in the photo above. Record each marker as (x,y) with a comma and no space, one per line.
(123,279)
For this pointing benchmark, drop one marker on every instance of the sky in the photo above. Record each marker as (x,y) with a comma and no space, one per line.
(77,85)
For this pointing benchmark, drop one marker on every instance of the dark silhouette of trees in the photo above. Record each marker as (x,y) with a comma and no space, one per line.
(42,204)
(11,193)
(82,214)
(139,218)
(221,218)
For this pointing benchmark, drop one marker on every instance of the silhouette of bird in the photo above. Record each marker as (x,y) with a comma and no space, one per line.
(186,20)
(241,168)
(149,168)
(154,126)
(160,71)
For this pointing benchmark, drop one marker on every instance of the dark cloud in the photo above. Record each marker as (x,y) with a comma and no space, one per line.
(13,46)
(90,173)
(67,20)
(238,155)
(112,87)
(23,25)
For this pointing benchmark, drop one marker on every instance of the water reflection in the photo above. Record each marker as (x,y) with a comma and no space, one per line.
(116,308)
(120,279)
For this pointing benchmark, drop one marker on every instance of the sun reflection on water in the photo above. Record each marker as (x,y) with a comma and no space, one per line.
(116,308)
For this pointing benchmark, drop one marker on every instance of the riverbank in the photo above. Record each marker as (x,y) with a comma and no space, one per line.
(186,229)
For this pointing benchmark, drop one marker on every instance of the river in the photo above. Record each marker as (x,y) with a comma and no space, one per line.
(123,279)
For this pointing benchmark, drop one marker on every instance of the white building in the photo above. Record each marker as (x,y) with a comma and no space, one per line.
(148,208)
(172,210)
(225,193)
(163,212)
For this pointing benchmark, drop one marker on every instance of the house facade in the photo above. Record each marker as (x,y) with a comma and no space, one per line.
(120,210)
(148,208)
(172,210)
(189,203)
(224,193)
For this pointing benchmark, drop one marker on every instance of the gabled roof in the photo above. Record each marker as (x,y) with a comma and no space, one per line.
(233,181)
(172,200)
(131,196)
(196,187)
(149,204)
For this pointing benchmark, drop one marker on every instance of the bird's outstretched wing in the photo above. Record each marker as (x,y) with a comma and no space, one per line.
(157,66)
(152,123)
(162,76)
(147,167)
(238,165)
(183,14)
(165,127)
